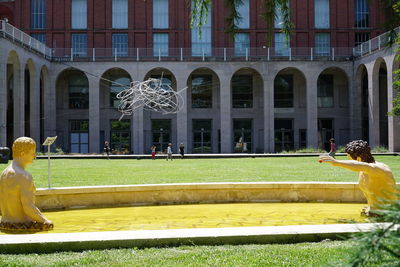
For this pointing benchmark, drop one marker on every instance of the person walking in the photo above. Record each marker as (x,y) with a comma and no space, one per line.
(153,152)
(169,152)
(182,150)
(107,149)
(332,150)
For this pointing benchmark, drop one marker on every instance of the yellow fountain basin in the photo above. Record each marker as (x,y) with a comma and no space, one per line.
(202,216)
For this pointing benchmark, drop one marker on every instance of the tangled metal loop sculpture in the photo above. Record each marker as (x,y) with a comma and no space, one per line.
(152,95)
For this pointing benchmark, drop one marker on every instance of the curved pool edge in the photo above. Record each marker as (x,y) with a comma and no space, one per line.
(31,243)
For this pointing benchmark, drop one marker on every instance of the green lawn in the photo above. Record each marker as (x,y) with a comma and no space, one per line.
(85,172)
(326,253)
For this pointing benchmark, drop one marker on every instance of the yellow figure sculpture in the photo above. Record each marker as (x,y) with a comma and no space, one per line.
(375,178)
(17,192)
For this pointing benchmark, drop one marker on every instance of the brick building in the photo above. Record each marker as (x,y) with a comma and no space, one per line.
(243,95)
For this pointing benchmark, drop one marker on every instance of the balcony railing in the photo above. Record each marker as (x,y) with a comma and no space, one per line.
(190,54)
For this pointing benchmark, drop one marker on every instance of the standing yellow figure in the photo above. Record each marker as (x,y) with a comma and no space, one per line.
(17,191)
(375,178)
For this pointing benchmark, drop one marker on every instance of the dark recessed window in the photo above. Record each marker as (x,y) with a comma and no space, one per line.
(201,91)
(283,91)
(242,91)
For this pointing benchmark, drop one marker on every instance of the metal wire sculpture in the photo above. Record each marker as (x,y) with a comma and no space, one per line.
(152,95)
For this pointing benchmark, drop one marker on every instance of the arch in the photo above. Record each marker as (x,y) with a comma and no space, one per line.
(112,82)
(168,75)
(207,84)
(78,97)
(333,107)
(380,101)
(290,94)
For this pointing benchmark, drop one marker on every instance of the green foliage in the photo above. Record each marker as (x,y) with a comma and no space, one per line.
(380,247)
(233,17)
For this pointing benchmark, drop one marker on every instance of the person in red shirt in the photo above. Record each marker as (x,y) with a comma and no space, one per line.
(332,152)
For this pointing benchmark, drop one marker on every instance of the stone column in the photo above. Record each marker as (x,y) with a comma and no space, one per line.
(94,115)
(312,109)
(355,96)
(3,99)
(138,131)
(373,105)
(19,101)
(182,116)
(393,121)
(268,94)
(35,107)
(226,119)
(50,108)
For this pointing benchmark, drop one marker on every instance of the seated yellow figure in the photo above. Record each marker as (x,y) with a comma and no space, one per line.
(375,178)
(17,191)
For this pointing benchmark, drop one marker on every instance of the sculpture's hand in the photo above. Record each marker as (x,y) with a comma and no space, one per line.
(326,158)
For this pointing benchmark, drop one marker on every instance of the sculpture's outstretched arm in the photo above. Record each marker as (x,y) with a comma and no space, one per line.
(352,165)
(28,203)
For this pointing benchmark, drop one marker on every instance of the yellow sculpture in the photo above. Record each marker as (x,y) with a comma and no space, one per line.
(375,178)
(17,192)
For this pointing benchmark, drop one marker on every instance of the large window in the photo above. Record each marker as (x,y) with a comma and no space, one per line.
(325,133)
(279,18)
(79,14)
(325,91)
(38,14)
(79,136)
(201,45)
(201,91)
(78,88)
(242,42)
(283,91)
(321,14)
(361,37)
(117,84)
(41,37)
(120,136)
(281,44)
(160,14)
(244,13)
(242,91)
(202,136)
(361,14)
(283,135)
(161,134)
(242,135)
(322,44)
(160,44)
(120,14)
(120,44)
(79,44)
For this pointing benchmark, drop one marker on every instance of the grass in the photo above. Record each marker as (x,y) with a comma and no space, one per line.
(87,172)
(325,253)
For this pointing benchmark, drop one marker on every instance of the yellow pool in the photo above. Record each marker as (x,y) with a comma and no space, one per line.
(202,216)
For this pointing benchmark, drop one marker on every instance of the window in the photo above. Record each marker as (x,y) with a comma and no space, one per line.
(120,136)
(325,91)
(242,42)
(166,81)
(160,44)
(201,45)
(361,14)
(321,14)
(281,45)
(283,135)
(41,37)
(244,12)
(242,91)
(78,87)
(202,136)
(120,14)
(361,37)
(201,91)
(79,44)
(79,136)
(278,21)
(322,44)
(325,133)
(38,14)
(79,14)
(161,134)
(160,14)
(120,44)
(117,85)
(242,135)
(283,91)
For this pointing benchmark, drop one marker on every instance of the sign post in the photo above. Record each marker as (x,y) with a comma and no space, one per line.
(48,142)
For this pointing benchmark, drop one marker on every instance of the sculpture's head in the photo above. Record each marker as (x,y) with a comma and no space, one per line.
(24,150)
(359,150)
